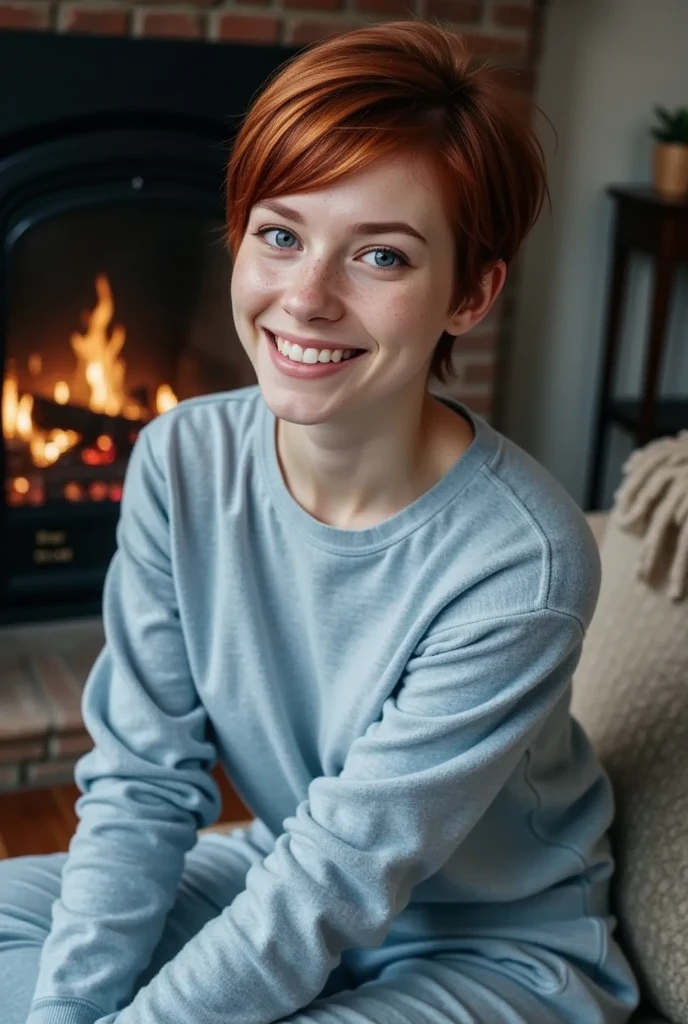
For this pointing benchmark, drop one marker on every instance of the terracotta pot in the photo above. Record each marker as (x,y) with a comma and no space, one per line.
(671,168)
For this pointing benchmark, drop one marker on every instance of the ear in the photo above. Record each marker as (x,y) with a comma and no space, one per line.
(473,312)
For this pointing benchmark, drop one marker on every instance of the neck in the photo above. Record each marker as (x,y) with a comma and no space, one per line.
(358,474)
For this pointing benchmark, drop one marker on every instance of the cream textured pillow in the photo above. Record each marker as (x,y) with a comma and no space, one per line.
(631,695)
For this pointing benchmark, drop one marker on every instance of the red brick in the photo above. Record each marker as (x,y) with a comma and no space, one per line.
(22,714)
(512,15)
(69,744)
(478,373)
(61,692)
(237,27)
(315,5)
(168,3)
(20,16)
(27,750)
(400,7)
(100,21)
(514,47)
(9,779)
(300,33)
(466,11)
(50,773)
(173,24)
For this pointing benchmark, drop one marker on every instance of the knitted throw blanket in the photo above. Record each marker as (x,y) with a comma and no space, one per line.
(652,501)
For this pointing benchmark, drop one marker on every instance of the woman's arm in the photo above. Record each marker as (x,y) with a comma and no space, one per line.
(146,785)
(412,788)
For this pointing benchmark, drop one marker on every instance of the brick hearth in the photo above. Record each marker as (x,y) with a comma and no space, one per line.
(42,672)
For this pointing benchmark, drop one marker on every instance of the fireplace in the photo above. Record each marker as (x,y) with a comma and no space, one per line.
(114,283)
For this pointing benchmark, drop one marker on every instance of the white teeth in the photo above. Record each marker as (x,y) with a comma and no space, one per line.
(311,355)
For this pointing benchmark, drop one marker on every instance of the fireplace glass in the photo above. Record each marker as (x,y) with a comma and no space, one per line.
(115,314)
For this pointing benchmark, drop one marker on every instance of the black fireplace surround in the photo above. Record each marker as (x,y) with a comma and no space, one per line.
(114,282)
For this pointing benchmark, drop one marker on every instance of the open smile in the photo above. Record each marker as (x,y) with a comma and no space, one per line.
(309,361)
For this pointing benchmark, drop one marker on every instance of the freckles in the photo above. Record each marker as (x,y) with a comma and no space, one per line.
(251,282)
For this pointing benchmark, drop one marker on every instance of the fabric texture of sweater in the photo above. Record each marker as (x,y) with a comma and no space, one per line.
(392,703)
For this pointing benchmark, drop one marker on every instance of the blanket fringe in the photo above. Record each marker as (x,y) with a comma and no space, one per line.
(652,501)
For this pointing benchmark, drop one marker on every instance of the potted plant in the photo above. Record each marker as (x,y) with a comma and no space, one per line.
(671,151)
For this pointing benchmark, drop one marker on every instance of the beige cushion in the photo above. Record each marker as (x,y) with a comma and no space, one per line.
(631,694)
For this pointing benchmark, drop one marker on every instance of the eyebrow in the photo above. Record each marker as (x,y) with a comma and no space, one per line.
(370,228)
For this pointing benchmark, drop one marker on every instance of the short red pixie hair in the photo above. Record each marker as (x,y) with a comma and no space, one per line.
(408,88)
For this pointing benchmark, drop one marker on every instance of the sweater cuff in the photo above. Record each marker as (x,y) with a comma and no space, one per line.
(64,1011)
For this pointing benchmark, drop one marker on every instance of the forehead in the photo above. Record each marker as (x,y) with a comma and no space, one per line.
(391,189)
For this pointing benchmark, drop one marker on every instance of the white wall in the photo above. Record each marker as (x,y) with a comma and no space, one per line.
(605,64)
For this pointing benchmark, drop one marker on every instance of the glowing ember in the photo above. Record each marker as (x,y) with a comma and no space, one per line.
(47,446)
(73,491)
(62,392)
(98,491)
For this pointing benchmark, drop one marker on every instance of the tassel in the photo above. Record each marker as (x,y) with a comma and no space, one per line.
(652,501)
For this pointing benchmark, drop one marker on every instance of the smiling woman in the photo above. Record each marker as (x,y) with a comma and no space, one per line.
(363,601)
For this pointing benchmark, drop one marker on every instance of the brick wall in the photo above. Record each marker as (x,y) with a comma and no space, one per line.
(499,29)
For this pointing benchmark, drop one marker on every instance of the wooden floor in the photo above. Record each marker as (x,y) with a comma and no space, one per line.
(43,820)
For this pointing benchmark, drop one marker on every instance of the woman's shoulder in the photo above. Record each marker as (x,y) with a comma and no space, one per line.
(198,432)
(531,538)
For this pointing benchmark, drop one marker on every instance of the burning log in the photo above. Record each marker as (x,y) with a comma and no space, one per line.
(49,415)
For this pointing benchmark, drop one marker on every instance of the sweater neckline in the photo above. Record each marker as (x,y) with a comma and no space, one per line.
(358,542)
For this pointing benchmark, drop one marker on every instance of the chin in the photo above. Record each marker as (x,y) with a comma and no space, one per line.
(305,410)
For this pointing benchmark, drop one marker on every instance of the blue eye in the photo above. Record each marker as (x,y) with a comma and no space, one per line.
(283,239)
(385,259)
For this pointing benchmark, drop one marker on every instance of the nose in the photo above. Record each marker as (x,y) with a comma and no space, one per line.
(312,293)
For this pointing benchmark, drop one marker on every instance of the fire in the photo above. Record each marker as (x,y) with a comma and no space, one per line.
(165,399)
(24,426)
(98,350)
(10,403)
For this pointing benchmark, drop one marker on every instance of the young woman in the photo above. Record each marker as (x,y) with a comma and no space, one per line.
(362,600)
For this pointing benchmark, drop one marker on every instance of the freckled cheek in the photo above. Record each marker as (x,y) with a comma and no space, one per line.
(399,313)
(252,287)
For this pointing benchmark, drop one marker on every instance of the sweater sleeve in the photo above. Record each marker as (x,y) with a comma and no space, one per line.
(411,788)
(146,786)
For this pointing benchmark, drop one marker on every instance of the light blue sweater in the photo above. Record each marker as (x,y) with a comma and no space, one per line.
(391,702)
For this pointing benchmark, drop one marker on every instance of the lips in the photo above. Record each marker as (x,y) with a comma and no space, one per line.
(311,367)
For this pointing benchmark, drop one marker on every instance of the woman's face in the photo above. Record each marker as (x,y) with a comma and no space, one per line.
(340,295)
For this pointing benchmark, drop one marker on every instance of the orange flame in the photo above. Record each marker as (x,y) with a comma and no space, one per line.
(99,351)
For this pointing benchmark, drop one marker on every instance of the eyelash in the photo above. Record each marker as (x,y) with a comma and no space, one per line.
(261,232)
